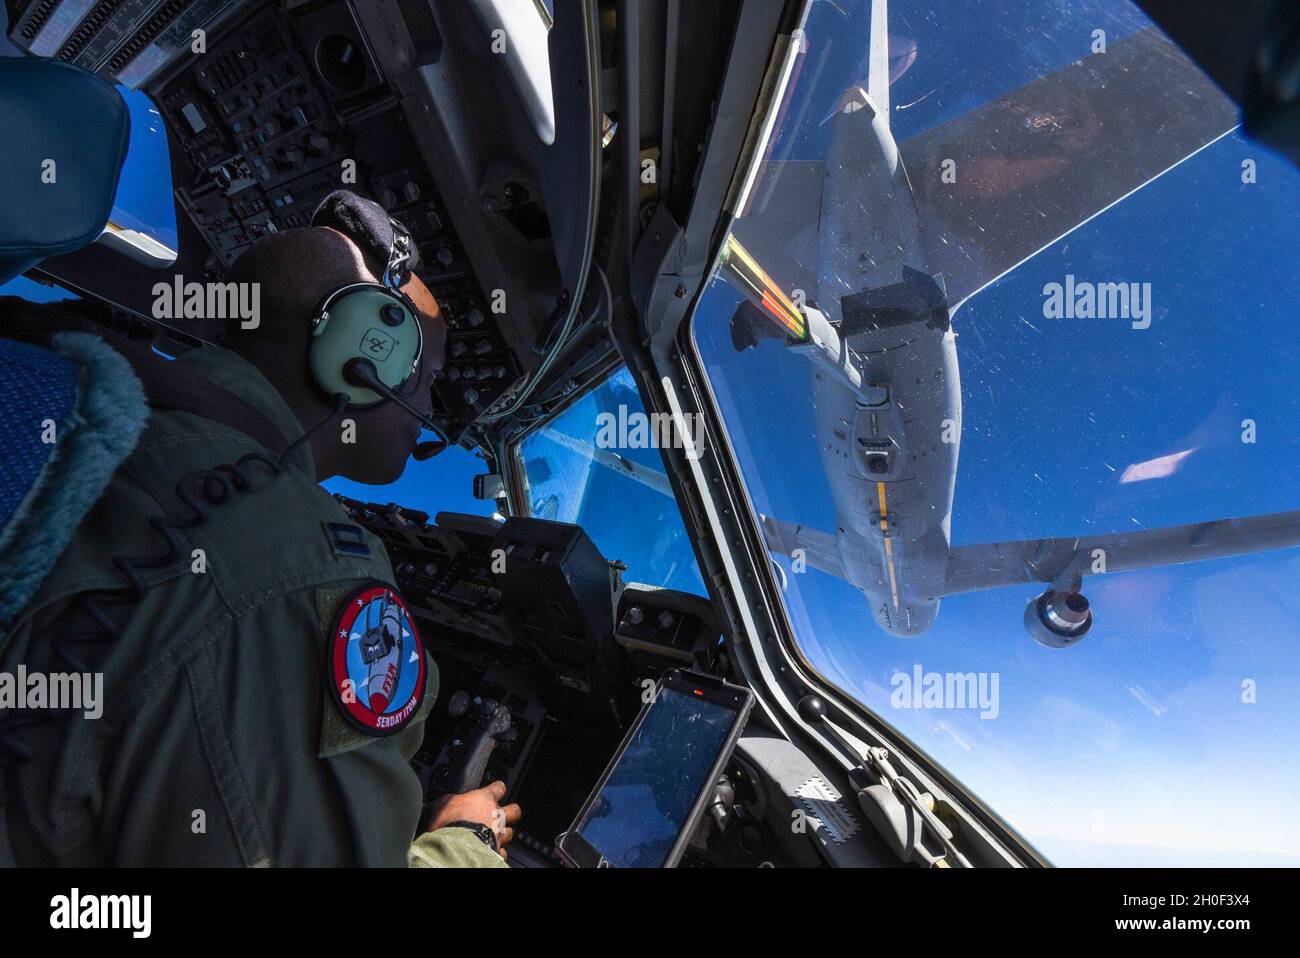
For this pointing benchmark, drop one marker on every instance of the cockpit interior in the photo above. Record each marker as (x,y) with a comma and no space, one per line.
(569,172)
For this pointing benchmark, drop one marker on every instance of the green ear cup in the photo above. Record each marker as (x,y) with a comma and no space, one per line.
(369,321)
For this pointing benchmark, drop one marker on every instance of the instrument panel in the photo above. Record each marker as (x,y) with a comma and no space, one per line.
(279,109)
(547,655)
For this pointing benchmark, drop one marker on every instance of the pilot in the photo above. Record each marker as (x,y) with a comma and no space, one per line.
(250,716)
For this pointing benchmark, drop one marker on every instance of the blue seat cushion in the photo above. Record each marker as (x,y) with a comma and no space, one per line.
(38,391)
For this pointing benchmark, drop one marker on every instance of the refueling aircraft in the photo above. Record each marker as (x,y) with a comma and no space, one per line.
(870,296)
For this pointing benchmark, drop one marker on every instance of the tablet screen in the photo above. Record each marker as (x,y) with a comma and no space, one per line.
(639,812)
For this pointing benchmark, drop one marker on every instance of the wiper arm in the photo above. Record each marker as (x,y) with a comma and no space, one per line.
(900,811)
(886,794)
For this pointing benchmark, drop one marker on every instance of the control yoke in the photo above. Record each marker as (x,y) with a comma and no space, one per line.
(490,722)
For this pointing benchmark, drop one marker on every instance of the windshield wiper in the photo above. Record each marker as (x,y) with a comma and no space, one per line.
(900,811)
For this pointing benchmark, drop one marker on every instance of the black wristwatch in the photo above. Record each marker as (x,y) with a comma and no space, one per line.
(484,834)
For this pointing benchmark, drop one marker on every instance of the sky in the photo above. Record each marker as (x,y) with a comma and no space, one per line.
(626,519)
(1134,746)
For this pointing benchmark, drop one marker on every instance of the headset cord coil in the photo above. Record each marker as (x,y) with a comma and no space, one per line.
(197,491)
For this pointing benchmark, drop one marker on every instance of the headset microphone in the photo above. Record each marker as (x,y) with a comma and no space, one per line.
(427,450)
(362,373)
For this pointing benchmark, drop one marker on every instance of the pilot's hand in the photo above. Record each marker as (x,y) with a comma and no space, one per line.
(483,806)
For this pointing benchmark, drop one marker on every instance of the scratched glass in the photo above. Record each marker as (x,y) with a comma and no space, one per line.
(1072,322)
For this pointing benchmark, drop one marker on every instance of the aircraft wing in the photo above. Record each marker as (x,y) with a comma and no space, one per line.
(1029,167)
(820,549)
(996,564)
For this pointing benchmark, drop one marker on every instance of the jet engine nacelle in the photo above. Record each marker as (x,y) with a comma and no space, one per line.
(1058,619)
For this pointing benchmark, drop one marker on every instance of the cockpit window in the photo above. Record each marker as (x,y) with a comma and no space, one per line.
(444,483)
(596,464)
(144,200)
(1036,239)
(526,56)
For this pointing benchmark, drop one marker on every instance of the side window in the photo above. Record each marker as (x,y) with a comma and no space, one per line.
(442,484)
(597,464)
(1003,344)
(33,291)
(144,194)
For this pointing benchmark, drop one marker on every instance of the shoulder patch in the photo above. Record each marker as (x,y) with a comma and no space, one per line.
(375,664)
(347,540)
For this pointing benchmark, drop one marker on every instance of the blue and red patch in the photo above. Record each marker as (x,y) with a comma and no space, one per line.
(375,661)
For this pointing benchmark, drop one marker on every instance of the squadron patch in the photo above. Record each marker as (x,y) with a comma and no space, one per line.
(375,661)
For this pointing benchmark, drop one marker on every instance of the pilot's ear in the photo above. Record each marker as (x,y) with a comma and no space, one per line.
(435,342)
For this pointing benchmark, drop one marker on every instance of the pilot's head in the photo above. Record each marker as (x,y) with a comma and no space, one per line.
(296,270)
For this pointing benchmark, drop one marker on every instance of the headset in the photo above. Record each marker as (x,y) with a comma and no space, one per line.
(366,339)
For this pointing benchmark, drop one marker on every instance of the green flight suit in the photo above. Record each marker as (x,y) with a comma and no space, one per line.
(219,743)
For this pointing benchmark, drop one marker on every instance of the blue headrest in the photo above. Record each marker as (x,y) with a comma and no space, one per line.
(53,111)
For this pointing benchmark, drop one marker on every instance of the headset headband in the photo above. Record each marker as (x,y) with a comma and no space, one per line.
(403,256)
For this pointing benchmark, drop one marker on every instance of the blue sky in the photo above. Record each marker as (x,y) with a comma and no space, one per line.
(1133,747)
(1112,752)
(1149,704)
(626,519)
(442,484)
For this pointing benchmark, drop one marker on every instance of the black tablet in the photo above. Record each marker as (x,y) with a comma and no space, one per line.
(646,805)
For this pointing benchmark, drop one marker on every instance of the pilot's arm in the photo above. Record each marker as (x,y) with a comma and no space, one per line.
(479,814)
(238,755)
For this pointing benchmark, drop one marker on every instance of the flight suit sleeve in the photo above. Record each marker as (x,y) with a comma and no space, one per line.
(229,758)
(453,848)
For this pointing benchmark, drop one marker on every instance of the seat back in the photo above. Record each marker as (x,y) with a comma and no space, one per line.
(74,411)
(65,133)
